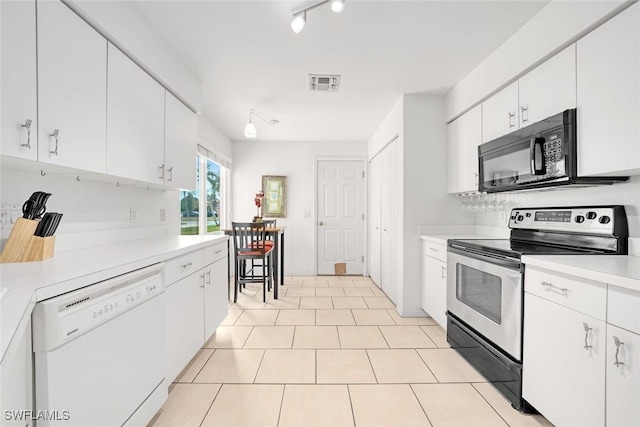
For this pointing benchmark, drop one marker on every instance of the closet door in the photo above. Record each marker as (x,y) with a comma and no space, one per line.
(391,210)
(375,220)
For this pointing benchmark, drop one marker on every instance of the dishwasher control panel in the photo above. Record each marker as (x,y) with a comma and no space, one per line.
(76,321)
(62,318)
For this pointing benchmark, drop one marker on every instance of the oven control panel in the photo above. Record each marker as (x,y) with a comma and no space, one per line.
(588,220)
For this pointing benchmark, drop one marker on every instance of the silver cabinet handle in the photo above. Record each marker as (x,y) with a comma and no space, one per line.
(203,282)
(477,178)
(55,135)
(170,170)
(185,266)
(27,126)
(524,109)
(443,272)
(512,121)
(434,249)
(208,277)
(587,329)
(551,286)
(618,344)
(218,251)
(161,172)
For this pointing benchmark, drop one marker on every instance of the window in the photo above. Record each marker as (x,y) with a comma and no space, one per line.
(207,198)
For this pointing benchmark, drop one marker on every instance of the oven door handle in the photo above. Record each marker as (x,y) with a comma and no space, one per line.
(507,262)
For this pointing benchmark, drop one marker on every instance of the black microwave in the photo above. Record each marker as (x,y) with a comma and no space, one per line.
(542,154)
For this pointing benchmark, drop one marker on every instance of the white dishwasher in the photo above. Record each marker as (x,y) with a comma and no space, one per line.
(100,353)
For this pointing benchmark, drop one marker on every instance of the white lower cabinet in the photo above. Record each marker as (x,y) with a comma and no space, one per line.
(623,377)
(196,304)
(434,281)
(16,380)
(564,357)
(185,322)
(581,362)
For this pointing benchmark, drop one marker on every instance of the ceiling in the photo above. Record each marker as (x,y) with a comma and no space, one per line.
(247,56)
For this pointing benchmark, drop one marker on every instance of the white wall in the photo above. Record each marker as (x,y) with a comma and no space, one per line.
(295,160)
(95,213)
(212,138)
(556,26)
(425,187)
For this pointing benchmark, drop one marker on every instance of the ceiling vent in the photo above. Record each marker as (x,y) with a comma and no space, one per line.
(324,83)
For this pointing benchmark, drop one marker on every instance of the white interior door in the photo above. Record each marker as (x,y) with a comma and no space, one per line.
(390,211)
(340,216)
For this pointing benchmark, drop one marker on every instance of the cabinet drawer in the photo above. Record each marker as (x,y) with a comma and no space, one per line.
(215,252)
(182,266)
(434,250)
(623,306)
(583,295)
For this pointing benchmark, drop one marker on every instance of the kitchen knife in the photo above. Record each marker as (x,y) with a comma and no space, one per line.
(54,226)
(43,225)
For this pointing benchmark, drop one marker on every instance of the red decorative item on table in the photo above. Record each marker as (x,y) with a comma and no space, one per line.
(258,201)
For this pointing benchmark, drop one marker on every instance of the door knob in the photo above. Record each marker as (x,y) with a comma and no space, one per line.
(321,223)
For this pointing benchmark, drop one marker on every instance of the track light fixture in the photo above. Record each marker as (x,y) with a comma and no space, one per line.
(250,129)
(300,17)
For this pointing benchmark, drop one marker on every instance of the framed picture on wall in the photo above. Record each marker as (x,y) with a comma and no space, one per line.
(275,196)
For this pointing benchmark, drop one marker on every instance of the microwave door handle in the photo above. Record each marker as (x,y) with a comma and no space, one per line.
(538,162)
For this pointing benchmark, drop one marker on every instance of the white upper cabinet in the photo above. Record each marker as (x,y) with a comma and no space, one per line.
(181,133)
(18,135)
(72,90)
(464,137)
(135,122)
(548,89)
(608,82)
(500,113)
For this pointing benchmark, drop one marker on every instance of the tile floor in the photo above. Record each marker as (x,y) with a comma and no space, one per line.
(331,351)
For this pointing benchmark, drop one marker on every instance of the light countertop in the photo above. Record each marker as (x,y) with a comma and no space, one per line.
(618,270)
(442,238)
(29,282)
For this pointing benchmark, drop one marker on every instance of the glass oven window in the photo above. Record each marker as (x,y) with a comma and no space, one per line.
(480,291)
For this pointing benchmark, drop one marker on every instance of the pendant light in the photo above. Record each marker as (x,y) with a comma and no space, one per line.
(337,5)
(250,130)
(299,22)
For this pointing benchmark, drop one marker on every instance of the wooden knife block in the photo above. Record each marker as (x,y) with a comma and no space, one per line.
(23,246)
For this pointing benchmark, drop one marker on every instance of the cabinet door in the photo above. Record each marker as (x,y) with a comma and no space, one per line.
(561,378)
(500,113)
(375,225)
(72,90)
(608,64)
(548,89)
(135,122)
(185,322)
(18,138)
(623,377)
(465,135)
(434,289)
(16,377)
(216,307)
(391,161)
(181,134)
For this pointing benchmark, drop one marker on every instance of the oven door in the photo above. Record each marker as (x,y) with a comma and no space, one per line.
(486,293)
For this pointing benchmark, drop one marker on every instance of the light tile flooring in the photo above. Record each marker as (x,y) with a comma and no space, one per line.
(331,351)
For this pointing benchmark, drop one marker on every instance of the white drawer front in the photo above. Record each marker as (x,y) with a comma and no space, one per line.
(434,250)
(215,252)
(623,308)
(182,266)
(583,295)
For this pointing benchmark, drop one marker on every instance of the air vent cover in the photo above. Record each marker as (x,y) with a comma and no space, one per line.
(324,83)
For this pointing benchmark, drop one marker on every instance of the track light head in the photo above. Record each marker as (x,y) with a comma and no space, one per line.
(337,5)
(298,23)
(250,131)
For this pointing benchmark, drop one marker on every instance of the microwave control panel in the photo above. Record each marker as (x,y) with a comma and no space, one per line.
(590,220)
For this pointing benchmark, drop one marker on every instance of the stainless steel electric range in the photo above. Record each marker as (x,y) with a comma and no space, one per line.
(485,286)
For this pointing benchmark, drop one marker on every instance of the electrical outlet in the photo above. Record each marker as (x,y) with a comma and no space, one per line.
(133,215)
(163,215)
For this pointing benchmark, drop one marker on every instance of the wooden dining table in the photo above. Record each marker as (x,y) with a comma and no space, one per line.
(278,256)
